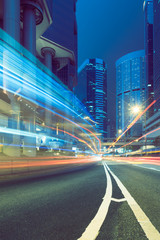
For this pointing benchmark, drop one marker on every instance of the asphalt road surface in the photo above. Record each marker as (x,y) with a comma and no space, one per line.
(103,202)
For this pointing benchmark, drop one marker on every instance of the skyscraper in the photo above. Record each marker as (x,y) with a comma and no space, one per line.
(92,91)
(130,89)
(148,19)
(156,53)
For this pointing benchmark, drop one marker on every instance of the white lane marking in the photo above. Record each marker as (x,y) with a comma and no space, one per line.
(93,228)
(148,228)
(151,168)
(118,200)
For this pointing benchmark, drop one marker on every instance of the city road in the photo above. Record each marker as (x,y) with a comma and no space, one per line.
(108,201)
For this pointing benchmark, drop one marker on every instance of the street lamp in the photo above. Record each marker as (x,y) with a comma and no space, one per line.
(119,131)
(135,109)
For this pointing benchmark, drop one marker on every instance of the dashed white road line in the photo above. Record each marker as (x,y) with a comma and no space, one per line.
(93,228)
(148,228)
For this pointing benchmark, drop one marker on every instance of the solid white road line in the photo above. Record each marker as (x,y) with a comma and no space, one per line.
(150,168)
(148,228)
(93,228)
(118,200)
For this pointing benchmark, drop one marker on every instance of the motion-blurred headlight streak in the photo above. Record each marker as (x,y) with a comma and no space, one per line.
(79,139)
(137,160)
(55,113)
(35,102)
(67,119)
(19,73)
(132,123)
(16,83)
(30,78)
(53,161)
(141,137)
(22,133)
(42,96)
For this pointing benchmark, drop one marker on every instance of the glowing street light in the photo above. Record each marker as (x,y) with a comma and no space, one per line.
(135,109)
(119,131)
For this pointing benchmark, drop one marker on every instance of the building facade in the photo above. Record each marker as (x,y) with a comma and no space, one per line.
(156,53)
(92,91)
(26,97)
(63,31)
(148,37)
(130,90)
(54,43)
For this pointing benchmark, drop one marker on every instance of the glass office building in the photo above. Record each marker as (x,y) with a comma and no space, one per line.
(130,89)
(92,91)
(148,38)
(156,53)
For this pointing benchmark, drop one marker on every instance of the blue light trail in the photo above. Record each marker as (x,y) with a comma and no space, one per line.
(24,80)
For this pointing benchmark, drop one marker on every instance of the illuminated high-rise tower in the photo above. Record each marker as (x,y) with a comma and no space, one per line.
(156,53)
(92,90)
(130,90)
(148,14)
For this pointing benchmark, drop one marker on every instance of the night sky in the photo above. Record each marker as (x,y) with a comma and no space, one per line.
(108,30)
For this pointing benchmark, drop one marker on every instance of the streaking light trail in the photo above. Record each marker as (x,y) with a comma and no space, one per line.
(52,161)
(136,160)
(142,137)
(23,77)
(131,124)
